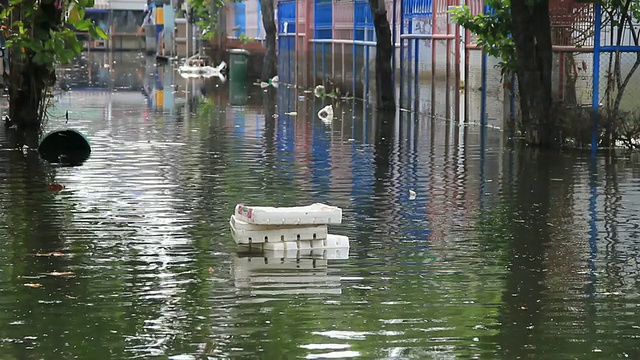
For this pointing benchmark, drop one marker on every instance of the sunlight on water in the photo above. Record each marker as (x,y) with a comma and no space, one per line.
(461,247)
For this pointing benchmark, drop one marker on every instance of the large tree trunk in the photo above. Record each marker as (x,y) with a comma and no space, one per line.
(269,69)
(532,38)
(29,81)
(385,99)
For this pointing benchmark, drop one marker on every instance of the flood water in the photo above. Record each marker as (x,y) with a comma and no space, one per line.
(503,254)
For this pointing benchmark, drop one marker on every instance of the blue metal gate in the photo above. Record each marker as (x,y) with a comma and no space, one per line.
(286,41)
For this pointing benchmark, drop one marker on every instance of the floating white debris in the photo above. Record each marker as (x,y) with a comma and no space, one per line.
(297,228)
(190,71)
(292,113)
(412,195)
(296,215)
(326,113)
(274,81)
(246,233)
(319,91)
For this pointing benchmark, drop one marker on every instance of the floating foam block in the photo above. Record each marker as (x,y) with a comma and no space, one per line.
(326,254)
(245,233)
(331,242)
(315,214)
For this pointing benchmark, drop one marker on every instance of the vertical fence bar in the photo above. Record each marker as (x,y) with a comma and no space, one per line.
(483,81)
(324,68)
(416,58)
(393,44)
(456,86)
(401,52)
(366,72)
(434,11)
(409,59)
(448,65)
(595,102)
(295,43)
(333,47)
(354,54)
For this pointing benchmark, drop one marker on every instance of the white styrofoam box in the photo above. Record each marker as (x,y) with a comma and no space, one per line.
(245,233)
(325,254)
(331,242)
(297,215)
(336,241)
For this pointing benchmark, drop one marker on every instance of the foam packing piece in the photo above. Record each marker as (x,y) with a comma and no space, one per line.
(245,233)
(331,242)
(314,214)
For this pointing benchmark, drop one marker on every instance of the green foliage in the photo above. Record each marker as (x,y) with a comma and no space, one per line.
(244,39)
(492,30)
(47,39)
(203,16)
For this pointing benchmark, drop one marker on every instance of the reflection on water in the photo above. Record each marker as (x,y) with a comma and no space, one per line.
(504,253)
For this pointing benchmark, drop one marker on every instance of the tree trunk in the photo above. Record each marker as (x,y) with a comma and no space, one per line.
(29,81)
(27,85)
(269,69)
(532,38)
(385,99)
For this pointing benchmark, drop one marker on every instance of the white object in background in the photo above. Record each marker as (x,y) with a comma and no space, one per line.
(274,81)
(331,242)
(319,91)
(245,233)
(315,214)
(326,113)
(412,195)
(187,71)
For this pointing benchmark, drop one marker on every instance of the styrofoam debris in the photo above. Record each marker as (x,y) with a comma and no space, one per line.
(314,214)
(245,233)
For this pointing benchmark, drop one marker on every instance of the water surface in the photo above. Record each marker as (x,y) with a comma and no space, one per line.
(503,254)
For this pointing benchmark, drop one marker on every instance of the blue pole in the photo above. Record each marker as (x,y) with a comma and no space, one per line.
(409,55)
(595,102)
(483,81)
(415,73)
(593,228)
(393,42)
(355,50)
(401,50)
(366,72)
(323,64)
(483,91)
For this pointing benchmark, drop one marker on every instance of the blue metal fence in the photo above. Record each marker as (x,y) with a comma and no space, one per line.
(286,41)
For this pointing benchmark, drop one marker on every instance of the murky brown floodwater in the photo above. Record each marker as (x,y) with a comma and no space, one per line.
(503,254)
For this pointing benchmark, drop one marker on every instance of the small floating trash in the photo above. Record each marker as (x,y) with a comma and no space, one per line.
(65,146)
(298,228)
(319,91)
(205,71)
(274,81)
(326,114)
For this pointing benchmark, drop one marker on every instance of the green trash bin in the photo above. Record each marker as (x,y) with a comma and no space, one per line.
(237,93)
(238,59)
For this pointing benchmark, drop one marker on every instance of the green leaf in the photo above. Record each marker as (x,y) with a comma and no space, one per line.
(74,15)
(41,58)
(103,35)
(77,46)
(83,25)
(67,55)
